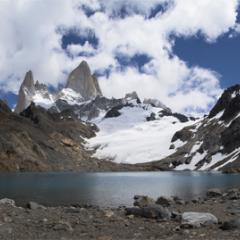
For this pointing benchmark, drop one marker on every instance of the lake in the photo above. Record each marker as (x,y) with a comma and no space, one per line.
(109,189)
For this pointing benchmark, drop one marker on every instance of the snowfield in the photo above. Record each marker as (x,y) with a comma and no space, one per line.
(131,139)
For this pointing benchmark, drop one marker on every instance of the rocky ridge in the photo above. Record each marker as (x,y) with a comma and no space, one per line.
(213,142)
(209,143)
(81,86)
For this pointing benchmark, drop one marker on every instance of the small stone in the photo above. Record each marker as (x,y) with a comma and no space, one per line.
(177,229)
(231,225)
(172,146)
(131,216)
(34,206)
(176,216)
(214,192)
(7,219)
(152,211)
(195,200)
(180,202)
(7,201)
(109,213)
(164,201)
(142,201)
(104,238)
(63,226)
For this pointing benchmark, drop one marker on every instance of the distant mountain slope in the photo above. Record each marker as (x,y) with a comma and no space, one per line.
(212,143)
(138,134)
(37,140)
(81,86)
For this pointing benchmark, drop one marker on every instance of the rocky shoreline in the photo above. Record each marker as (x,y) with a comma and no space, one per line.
(217,216)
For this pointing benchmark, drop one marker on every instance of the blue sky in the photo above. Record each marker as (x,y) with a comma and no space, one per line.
(222,56)
(182,52)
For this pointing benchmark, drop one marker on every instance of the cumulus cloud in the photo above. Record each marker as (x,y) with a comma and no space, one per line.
(31,38)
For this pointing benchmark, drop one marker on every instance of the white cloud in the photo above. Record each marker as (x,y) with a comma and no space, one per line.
(30,39)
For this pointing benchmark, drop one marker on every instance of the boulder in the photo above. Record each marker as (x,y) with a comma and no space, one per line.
(164,201)
(198,219)
(231,225)
(233,194)
(152,117)
(7,201)
(151,211)
(114,112)
(34,205)
(214,192)
(142,201)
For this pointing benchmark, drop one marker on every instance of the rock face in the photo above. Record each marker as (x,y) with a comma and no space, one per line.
(213,142)
(32,92)
(38,140)
(81,81)
(81,86)
(26,92)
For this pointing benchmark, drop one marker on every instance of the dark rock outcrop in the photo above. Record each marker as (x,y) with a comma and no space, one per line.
(37,140)
(150,211)
(229,103)
(4,107)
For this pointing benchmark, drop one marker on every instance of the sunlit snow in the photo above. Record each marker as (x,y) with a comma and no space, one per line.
(129,138)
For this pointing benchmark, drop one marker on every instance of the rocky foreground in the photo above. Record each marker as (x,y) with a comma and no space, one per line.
(217,216)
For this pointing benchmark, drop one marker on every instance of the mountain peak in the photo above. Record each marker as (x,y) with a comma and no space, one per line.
(82,81)
(26,90)
(228,103)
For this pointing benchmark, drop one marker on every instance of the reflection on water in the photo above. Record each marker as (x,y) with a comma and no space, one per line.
(108,189)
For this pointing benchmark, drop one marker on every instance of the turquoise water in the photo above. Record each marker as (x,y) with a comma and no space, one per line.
(108,189)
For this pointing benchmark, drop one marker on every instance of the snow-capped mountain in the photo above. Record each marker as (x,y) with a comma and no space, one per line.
(135,133)
(213,142)
(132,131)
(81,86)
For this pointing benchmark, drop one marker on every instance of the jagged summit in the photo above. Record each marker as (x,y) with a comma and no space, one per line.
(80,83)
(26,91)
(228,104)
(83,82)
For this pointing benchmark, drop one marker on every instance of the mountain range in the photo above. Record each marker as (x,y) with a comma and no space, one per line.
(77,128)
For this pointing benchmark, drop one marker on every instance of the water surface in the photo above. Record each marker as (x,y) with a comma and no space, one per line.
(108,189)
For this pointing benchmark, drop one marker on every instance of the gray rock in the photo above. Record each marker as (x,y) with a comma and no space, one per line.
(152,117)
(198,219)
(172,146)
(180,202)
(155,103)
(4,107)
(132,96)
(26,91)
(164,201)
(176,216)
(152,211)
(214,192)
(231,225)
(34,205)
(81,81)
(142,201)
(233,194)
(63,226)
(7,201)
